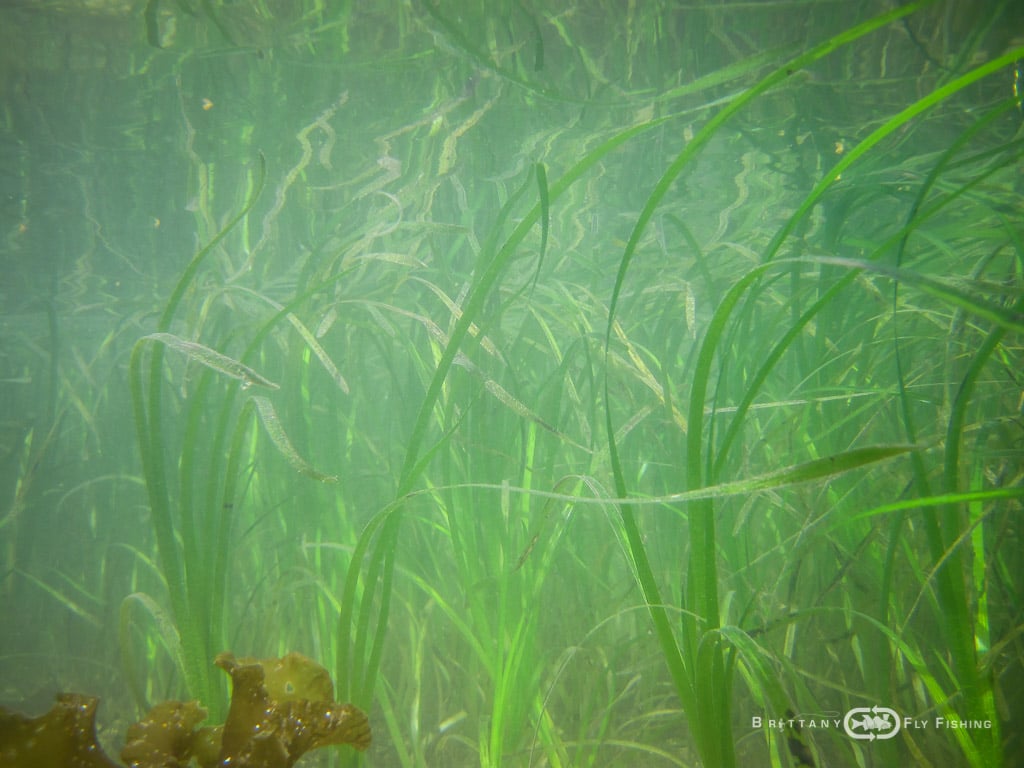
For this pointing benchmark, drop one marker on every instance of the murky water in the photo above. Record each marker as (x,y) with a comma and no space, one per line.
(582,384)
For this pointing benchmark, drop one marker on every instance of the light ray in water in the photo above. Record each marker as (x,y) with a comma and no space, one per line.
(211,358)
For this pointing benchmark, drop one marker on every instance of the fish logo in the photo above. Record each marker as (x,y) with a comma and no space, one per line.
(871,723)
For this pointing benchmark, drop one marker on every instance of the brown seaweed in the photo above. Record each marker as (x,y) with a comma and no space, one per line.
(64,736)
(280,709)
(165,737)
(289,678)
(271,722)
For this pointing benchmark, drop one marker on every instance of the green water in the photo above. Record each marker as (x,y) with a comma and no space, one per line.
(583,384)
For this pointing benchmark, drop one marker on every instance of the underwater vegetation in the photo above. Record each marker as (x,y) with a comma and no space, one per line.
(280,709)
(594,384)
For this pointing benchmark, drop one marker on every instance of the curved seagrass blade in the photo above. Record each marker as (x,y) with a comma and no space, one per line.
(214,360)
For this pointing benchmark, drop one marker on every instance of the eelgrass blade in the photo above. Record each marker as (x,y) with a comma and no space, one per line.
(891,125)
(221,526)
(823,468)
(703,136)
(150,447)
(944,699)
(214,360)
(167,633)
(1008,319)
(945,531)
(147,412)
(940,500)
(758,668)
(767,365)
(354,620)
(726,74)
(214,15)
(805,472)
(712,737)
(458,39)
(70,605)
(307,336)
(542,189)
(193,266)
(677,665)
(491,266)
(906,412)
(275,430)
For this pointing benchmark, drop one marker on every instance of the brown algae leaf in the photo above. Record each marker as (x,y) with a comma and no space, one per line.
(294,677)
(64,736)
(280,709)
(271,733)
(166,736)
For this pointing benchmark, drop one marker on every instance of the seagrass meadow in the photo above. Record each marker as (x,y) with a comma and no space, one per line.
(597,383)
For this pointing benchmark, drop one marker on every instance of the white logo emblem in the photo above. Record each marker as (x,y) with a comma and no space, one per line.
(871,723)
